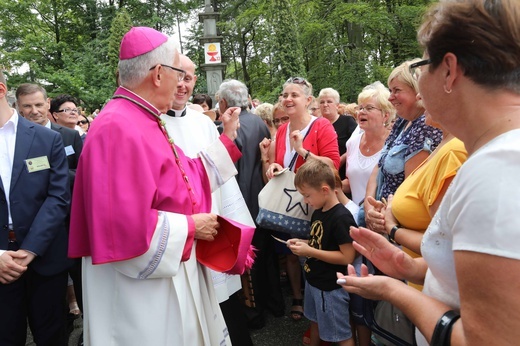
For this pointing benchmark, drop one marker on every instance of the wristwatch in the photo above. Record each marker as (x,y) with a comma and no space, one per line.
(391,235)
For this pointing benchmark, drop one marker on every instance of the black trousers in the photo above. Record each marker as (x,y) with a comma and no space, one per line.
(39,300)
(75,274)
(236,321)
(265,274)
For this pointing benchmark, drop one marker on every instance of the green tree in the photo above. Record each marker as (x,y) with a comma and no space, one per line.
(119,27)
(285,49)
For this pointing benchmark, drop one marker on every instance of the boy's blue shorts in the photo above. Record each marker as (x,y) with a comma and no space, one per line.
(329,309)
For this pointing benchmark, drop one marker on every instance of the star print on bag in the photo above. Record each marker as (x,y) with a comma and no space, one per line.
(290,192)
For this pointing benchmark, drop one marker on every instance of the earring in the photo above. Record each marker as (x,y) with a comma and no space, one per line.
(447,91)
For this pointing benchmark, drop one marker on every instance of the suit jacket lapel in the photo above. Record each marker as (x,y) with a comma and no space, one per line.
(24,139)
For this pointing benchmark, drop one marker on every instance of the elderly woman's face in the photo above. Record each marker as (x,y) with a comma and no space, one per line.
(328,107)
(403,97)
(370,115)
(432,96)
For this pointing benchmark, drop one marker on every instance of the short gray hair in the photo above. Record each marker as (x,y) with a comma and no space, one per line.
(133,71)
(329,92)
(234,92)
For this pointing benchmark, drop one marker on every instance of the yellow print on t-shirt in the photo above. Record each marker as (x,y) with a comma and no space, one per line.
(315,239)
(316,234)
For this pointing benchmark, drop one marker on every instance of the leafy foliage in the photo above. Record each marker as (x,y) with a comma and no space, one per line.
(71,46)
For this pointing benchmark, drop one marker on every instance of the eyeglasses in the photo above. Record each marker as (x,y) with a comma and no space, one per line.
(298,80)
(180,73)
(68,110)
(367,108)
(82,122)
(415,71)
(280,120)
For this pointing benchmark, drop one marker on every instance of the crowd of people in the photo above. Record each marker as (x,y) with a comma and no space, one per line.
(412,188)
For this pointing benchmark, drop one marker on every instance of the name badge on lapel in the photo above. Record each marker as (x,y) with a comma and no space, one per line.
(69,150)
(37,164)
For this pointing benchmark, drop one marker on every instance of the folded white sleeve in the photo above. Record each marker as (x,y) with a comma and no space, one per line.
(163,257)
(218,164)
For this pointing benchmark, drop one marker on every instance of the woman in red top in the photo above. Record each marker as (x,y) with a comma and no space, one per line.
(303,137)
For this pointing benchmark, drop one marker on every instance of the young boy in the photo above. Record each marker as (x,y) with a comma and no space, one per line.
(328,250)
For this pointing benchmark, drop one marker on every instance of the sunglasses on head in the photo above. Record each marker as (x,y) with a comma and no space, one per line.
(82,122)
(298,80)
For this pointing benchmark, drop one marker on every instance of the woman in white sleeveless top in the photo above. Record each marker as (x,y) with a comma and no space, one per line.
(363,150)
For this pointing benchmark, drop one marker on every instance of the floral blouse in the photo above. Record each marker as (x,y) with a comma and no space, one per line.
(400,146)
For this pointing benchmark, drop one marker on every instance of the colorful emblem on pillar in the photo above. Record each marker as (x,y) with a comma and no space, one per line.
(212,53)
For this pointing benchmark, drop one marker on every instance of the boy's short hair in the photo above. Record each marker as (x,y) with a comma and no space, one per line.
(314,173)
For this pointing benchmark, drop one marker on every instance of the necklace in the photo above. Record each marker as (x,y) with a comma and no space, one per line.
(162,126)
(364,144)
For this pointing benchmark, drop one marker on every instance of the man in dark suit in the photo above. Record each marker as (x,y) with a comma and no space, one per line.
(34,202)
(33,104)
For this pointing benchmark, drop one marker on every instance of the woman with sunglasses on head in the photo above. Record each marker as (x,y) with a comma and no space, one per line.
(470,83)
(409,144)
(307,137)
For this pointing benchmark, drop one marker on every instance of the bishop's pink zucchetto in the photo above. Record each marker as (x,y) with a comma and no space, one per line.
(140,40)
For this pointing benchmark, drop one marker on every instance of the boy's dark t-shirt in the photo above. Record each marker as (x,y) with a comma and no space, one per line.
(328,230)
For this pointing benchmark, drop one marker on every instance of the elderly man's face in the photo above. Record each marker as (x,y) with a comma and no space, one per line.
(34,107)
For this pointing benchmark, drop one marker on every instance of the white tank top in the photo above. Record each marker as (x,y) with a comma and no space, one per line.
(359,168)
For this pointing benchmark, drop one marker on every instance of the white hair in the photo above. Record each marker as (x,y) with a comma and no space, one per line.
(234,92)
(329,92)
(133,71)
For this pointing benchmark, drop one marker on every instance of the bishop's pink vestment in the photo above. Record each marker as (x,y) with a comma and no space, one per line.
(130,221)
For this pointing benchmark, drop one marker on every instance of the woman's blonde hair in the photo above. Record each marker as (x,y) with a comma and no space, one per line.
(381,94)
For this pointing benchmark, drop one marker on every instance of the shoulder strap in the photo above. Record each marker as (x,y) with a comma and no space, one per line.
(293,161)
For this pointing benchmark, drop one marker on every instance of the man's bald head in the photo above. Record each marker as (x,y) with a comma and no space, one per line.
(187,64)
(185,88)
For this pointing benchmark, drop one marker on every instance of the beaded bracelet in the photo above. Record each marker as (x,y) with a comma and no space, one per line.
(442,333)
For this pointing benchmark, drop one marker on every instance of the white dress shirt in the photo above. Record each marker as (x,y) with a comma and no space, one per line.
(7,144)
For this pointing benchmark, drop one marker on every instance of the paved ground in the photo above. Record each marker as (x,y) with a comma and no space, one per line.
(278,331)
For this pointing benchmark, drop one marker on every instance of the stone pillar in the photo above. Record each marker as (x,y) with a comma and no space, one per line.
(213,67)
